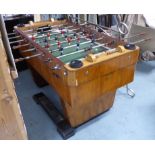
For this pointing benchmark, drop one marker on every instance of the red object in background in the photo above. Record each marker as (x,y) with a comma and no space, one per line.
(47,46)
(48,35)
(78,39)
(59,46)
(62,32)
(33,38)
(58,43)
(69,39)
(88,35)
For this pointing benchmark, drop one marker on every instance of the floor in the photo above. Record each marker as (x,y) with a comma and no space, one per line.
(129,118)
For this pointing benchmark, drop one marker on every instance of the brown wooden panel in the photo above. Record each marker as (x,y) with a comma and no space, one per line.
(116,63)
(117,79)
(110,82)
(126,75)
(85,93)
(79,114)
(11,121)
(87,73)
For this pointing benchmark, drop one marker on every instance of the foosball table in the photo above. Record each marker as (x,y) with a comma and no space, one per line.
(85,67)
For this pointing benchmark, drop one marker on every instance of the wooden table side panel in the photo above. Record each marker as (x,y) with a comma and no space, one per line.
(85,96)
(91,90)
(86,92)
(117,79)
(106,67)
(82,113)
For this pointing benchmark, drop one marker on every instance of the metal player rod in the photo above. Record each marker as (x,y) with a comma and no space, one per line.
(70,30)
(43,35)
(27,58)
(55,33)
(65,40)
(60,41)
(60,32)
(108,48)
(71,46)
(32,49)
(139,34)
(77,29)
(52,30)
(63,37)
(45,31)
(28,30)
(104,27)
(39,36)
(11,34)
(140,41)
(19,46)
(86,38)
(101,45)
(96,25)
(14,37)
(17,41)
(72,40)
(95,39)
(59,38)
(89,41)
(28,50)
(66,28)
(115,49)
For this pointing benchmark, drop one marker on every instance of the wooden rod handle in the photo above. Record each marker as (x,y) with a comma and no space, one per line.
(26,58)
